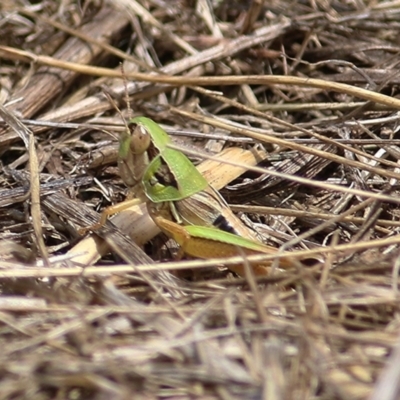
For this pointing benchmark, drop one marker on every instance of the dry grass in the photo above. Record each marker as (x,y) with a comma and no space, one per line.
(313,87)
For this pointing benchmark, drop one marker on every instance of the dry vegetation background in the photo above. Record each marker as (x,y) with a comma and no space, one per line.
(313,86)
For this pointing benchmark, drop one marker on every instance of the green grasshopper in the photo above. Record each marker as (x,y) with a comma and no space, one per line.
(168,175)
(179,199)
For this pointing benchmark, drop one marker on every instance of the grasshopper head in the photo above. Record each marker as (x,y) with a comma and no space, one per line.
(139,146)
(133,156)
(140,139)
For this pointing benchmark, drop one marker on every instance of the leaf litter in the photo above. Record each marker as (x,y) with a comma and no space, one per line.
(290,109)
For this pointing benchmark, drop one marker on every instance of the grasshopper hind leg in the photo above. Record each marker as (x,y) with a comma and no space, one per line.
(108,212)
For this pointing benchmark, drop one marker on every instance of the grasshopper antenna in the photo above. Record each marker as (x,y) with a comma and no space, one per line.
(128,104)
(126,99)
(114,104)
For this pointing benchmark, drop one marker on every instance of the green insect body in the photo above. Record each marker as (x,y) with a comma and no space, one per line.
(165,174)
(179,199)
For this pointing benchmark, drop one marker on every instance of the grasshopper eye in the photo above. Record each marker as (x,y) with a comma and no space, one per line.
(140,140)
